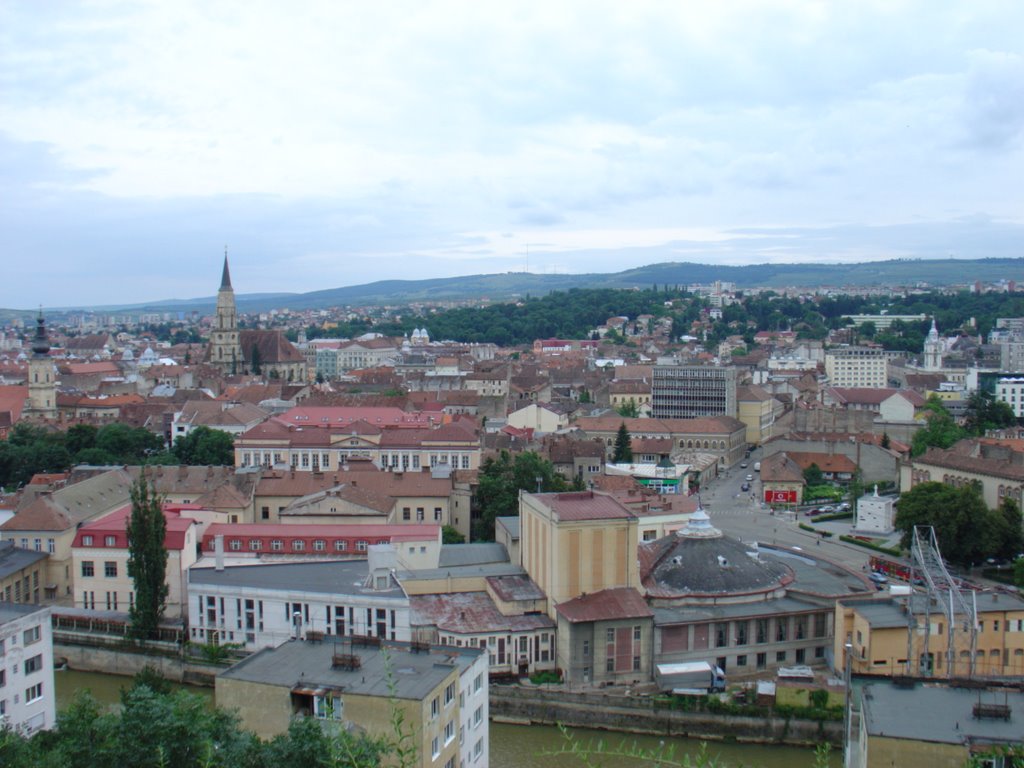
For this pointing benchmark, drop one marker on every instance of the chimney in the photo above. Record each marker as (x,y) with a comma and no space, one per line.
(218,552)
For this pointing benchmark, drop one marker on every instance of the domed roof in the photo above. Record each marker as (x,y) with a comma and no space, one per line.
(698,561)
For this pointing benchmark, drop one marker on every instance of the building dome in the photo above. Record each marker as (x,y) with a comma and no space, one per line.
(698,562)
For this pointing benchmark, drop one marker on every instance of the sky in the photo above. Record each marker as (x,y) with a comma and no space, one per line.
(336,143)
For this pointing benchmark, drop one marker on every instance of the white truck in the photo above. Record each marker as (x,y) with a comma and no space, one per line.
(689,676)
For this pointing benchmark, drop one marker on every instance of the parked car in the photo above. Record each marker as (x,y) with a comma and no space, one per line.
(745,487)
(813,512)
(844,507)
(749,478)
(880,579)
(828,509)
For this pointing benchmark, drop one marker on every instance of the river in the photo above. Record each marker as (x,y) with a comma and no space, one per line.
(512,746)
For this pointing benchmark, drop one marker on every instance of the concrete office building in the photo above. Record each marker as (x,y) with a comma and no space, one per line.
(692,391)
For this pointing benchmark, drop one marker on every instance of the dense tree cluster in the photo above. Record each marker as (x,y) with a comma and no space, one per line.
(31,449)
(982,414)
(968,531)
(500,481)
(159,729)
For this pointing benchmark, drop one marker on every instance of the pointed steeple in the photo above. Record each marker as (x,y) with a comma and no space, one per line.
(933,334)
(225,278)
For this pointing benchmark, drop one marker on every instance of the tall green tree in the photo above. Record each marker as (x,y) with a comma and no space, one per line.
(941,431)
(984,412)
(203,446)
(623,453)
(813,475)
(968,531)
(147,557)
(499,482)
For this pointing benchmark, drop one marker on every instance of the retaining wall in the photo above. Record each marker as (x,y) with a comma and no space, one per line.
(637,715)
(120,662)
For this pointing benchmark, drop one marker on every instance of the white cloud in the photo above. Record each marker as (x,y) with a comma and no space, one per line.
(391,129)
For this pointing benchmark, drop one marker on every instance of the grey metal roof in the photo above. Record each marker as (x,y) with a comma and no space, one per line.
(12,611)
(336,577)
(510,523)
(13,559)
(397,672)
(462,572)
(472,554)
(681,566)
(724,611)
(820,577)
(938,713)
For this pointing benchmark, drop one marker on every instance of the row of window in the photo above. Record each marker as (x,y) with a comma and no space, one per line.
(23,590)
(109,569)
(108,541)
(37,545)
(299,545)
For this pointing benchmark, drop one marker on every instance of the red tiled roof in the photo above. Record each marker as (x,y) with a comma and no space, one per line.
(116,524)
(584,505)
(606,605)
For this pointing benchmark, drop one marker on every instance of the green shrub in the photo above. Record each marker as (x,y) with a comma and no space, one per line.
(545,678)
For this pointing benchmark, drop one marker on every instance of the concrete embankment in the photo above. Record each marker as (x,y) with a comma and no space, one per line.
(631,714)
(116,661)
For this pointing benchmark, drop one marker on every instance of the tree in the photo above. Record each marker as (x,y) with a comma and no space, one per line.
(940,432)
(501,479)
(203,446)
(886,442)
(813,475)
(147,557)
(623,453)
(968,532)
(628,409)
(451,535)
(585,396)
(256,360)
(984,412)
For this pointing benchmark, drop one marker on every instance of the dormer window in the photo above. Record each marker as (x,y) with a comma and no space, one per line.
(87,541)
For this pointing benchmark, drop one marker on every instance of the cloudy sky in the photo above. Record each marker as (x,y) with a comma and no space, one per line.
(335,143)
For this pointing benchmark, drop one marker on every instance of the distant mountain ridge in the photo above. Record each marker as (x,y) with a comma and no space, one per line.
(512,285)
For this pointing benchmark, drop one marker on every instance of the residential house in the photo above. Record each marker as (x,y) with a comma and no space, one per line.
(28,698)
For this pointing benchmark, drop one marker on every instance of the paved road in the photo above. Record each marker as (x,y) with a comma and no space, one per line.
(735,514)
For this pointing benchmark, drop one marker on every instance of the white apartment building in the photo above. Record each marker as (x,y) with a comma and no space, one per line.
(262,606)
(1011,392)
(27,694)
(856,367)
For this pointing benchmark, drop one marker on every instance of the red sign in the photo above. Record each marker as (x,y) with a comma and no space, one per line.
(780,497)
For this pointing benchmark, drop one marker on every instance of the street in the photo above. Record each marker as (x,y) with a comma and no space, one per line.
(735,514)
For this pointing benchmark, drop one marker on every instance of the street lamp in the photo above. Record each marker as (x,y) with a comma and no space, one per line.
(847,719)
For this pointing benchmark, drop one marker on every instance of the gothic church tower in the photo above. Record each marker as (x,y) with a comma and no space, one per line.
(225,349)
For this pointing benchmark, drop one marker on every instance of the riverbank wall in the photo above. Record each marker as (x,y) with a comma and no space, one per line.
(631,714)
(121,661)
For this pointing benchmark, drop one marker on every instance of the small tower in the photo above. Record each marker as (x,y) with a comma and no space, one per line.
(42,376)
(225,350)
(933,350)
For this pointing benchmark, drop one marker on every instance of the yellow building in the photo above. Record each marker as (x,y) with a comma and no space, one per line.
(758,410)
(932,724)
(877,629)
(576,543)
(440,693)
(22,571)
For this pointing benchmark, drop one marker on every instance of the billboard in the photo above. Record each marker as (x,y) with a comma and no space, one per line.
(779,497)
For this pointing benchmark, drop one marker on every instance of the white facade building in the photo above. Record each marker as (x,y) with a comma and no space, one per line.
(262,606)
(856,367)
(876,514)
(1011,392)
(27,694)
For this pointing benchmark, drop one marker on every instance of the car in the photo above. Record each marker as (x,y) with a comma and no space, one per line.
(844,507)
(878,578)
(815,511)
(743,465)
(827,510)
(745,487)
(749,478)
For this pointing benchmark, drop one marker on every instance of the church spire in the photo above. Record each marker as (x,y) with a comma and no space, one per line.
(225,278)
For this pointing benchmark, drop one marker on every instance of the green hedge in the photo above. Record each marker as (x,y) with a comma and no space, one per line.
(836,516)
(869,545)
(825,534)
